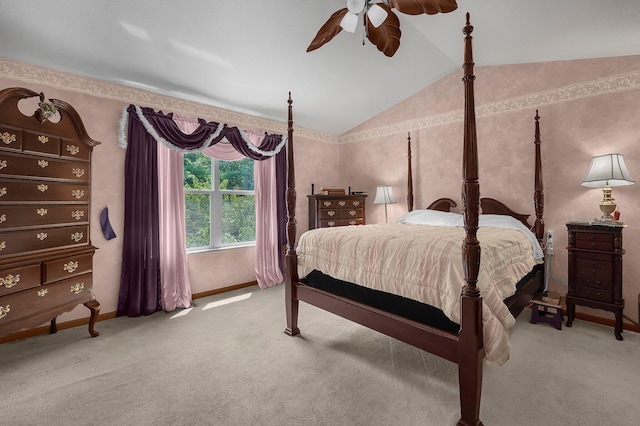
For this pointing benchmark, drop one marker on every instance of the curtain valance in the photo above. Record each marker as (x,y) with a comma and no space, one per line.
(164,130)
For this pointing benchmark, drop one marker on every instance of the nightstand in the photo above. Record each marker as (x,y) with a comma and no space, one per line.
(595,269)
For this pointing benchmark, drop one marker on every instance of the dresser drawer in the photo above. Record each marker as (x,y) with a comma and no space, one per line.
(30,302)
(346,213)
(340,222)
(42,214)
(581,254)
(594,283)
(41,190)
(10,138)
(19,278)
(594,241)
(42,239)
(41,143)
(594,264)
(22,165)
(591,272)
(594,294)
(71,266)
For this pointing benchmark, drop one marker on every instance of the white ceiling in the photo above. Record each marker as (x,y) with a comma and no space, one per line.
(246,55)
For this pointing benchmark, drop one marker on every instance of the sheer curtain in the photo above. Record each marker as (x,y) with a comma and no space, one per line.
(170,254)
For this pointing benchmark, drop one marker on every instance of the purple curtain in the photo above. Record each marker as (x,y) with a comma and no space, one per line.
(150,126)
(140,274)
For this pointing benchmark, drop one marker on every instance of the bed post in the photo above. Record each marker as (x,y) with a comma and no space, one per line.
(409,175)
(538,196)
(471,350)
(291,257)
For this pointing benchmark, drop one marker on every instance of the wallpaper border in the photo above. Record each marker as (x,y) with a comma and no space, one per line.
(66,81)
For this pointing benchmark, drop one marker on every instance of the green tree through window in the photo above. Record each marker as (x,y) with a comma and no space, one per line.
(219,201)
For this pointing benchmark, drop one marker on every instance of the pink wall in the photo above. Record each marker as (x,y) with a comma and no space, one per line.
(100,106)
(587,108)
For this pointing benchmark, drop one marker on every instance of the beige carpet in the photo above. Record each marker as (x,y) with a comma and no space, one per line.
(231,364)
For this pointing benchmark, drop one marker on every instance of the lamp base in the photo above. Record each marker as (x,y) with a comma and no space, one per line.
(607,205)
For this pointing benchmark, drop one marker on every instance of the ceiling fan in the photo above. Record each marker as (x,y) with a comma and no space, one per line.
(381,25)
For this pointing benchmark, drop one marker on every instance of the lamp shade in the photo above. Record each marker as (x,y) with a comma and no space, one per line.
(384,195)
(607,171)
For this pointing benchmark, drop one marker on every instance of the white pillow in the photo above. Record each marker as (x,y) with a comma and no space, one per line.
(431,217)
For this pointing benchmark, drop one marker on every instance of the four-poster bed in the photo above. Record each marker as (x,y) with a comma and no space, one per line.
(461,341)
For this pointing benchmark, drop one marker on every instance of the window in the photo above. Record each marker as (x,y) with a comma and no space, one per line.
(219,200)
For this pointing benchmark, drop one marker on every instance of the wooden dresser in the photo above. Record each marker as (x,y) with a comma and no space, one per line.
(45,191)
(336,210)
(595,270)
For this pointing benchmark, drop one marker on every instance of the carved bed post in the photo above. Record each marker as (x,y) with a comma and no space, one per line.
(291,257)
(538,196)
(471,351)
(409,175)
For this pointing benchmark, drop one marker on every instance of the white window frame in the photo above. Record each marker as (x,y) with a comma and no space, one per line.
(215,210)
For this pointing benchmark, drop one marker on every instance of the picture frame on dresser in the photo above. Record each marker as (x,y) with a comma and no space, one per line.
(46,255)
(595,253)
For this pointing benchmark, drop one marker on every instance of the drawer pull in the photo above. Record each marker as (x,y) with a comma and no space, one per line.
(342,203)
(331,223)
(42,187)
(77,288)
(43,163)
(43,139)
(3,191)
(327,203)
(77,236)
(7,138)
(41,211)
(3,164)
(71,266)
(77,214)
(356,203)
(594,284)
(10,280)
(73,149)
(4,310)
(77,172)
(77,194)
(331,213)
(352,222)
(41,236)
(3,218)
(42,292)
(3,245)
(352,212)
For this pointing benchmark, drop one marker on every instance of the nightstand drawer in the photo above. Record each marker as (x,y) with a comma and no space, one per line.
(594,264)
(594,283)
(591,272)
(594,294)
(594,241)
(593,255)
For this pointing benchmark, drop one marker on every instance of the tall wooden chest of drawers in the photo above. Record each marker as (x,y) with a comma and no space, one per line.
(45,192)
(336,210)
(595,270)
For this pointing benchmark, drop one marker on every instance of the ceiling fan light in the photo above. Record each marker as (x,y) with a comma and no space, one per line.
(355,6)
(377,15)
(349,22)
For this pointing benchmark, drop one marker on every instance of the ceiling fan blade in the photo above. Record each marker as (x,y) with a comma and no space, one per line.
(430,7)
(387,36)
(329,30)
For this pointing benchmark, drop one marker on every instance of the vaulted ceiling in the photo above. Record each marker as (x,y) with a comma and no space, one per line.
(247,55)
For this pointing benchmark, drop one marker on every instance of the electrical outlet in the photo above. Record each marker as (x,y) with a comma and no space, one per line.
(550,242)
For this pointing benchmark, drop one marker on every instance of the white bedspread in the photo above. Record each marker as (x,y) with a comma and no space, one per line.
(424,263)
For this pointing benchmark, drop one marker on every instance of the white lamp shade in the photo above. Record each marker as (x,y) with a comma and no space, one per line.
(349,22)
(355,6)
(377,15)
(607,171)
(384,195)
